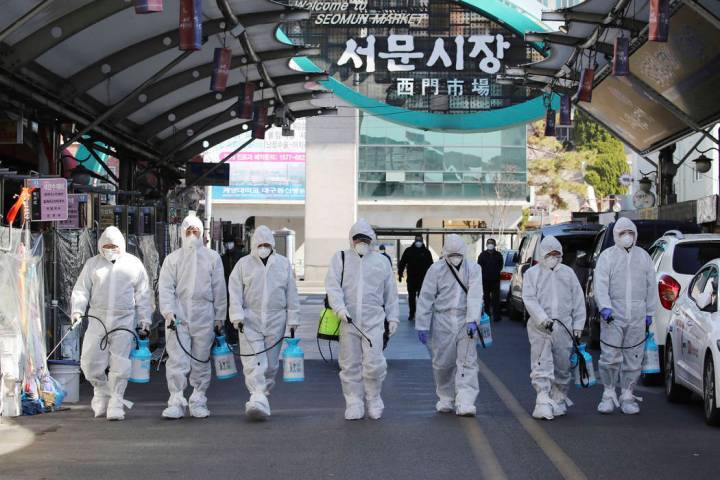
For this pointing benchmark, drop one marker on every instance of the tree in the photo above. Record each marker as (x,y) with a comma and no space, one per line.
(608,161)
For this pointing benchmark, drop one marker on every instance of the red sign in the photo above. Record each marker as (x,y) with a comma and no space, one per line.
(586,85)
(246,106)
(148,6)
(190,24)
(260,119)
(221,69)
(659,25)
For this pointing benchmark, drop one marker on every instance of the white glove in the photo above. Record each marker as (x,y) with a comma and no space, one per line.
(546,325)
(219,324)
(392,328)
(169,318)
(76,319)
(342,316)
(145,326)
(238,324)
(577,334)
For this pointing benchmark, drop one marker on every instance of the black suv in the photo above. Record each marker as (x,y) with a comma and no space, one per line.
(648,232)
(576,240)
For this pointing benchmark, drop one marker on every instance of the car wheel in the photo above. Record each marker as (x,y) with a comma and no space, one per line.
(712,413)
(674,392)
(514,314)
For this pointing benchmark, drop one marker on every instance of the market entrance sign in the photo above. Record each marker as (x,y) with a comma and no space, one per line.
(430,65)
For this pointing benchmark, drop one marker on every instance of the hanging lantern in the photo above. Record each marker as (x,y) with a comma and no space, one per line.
(586,85)
(621,59)
(565,110)
(148,6)
(190,24)
(221,69)
(245,103)
(260,120)
(550,123)
(659,24)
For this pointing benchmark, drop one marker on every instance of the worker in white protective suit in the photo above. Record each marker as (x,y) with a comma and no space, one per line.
(626,295)
(113,286)
(551,294)
(264,308)
(193,300)
(362,292)
(449,309)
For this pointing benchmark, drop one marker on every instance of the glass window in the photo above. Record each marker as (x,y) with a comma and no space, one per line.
(689,257)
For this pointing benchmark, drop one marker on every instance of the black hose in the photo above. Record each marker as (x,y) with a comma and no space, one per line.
(106,338)
(349,320)
(173,327)
(609,322)
(581,364)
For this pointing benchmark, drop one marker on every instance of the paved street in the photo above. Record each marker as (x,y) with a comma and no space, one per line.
(308,438)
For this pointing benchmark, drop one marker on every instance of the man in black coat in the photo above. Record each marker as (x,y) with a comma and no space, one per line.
(417,258)
(491,262)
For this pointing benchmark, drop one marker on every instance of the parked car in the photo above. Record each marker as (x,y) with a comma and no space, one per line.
(648,232)
(677,257)
(692,344)
(576,240)
(506,275)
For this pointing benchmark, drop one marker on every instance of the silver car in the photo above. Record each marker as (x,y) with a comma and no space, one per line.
(506,275)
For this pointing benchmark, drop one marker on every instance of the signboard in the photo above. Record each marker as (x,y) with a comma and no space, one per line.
(219,174)
(707,209)
(11,132)
(270,169)
(73,217)
(49,201)
(436,58)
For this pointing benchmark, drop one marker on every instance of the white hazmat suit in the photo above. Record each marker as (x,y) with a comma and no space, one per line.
(368,296)
(192,291)
(625,284)
(445,310)
(552,294)
(118,293)
(265,302)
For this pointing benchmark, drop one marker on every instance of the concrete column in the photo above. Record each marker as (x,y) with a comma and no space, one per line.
(331,188)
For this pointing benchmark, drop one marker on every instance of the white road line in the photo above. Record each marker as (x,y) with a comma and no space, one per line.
(565,465)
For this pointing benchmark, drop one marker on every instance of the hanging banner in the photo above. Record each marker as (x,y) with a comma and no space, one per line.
(245,109)
(621,59)
(73,218)
(49,199)
(586,85)
(221,69)
(190,24)
(148,6)
(659,24)
(260,121)
(565,111)
(550,123)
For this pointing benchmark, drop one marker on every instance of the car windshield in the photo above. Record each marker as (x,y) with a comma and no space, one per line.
(575,246)
(690,257)
(509,257)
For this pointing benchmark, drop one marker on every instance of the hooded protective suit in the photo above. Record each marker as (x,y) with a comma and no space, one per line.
(444,309)
(552,295)
(264,299)
(368,296)
(118,293)
(192,289)
(625,284)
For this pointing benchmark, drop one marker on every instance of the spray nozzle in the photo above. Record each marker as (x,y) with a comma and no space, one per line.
(218,331)
(292,332)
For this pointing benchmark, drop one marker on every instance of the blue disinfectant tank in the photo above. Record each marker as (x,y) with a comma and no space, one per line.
(140,358)
(485,330)
(651,357)
(223,359)
(588,364)
(293,361)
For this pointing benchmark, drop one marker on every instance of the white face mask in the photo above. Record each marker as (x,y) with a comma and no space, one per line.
(627,240)
(455,260)
(491,246)
(264,252)
(191,242)
(361,248)
(418,244)
(110,254)
(230,245)
(551,262)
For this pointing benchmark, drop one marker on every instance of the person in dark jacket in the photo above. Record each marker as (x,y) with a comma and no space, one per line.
(384,254)
(417,259)
(491,262)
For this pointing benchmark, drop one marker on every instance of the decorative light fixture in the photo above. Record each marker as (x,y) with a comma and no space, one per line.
(703,163)
(245,109)
(645,184)
(190,24)
(659,22)
(550,123)
(586,85)
(221,69)
(260,121)
(565,111)
(621,57)
(148,6)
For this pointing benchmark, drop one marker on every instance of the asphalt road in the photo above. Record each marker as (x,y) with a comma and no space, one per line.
(307,437)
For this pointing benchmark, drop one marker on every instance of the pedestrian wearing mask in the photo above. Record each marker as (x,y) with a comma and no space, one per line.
(417,259)
(491,261)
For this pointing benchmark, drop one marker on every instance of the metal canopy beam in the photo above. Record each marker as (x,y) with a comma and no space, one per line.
(179,80)
(174,143)
(198,104)
(704,12)
(560,39)
(593,19)
(24,18)
(44,39)
(219,137)
(131,55)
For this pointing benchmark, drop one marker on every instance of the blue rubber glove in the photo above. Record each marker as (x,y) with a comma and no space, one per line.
(471,328)
(605,313)
(648,320)
(423,336)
